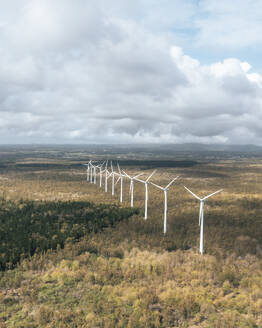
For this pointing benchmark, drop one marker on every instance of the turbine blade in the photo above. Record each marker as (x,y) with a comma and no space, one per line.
(192,193)
(139,180)
(138,175)
(151,175)
(117,181)
(172,182)
(118,168)
(157,186)
(212,194)
(101,165)
(127,175)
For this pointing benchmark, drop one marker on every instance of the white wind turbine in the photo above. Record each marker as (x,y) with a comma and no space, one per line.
(146,182)
(131,188)
(94,173)
(120,178)
(91,173)
(113,179)
(93,170)
(100,173)
(165,189)
(107,175)
(87,170)
(201,216)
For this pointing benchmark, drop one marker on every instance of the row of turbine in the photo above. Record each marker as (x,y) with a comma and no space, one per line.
(92,178)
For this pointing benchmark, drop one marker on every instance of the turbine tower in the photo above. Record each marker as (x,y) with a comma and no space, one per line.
(100,173)
(106,176)
(146,182)
(201,216)
(94,173)
(120,178)
(113,178)
(165,189)
(87,170)
(131,188)
(91,173)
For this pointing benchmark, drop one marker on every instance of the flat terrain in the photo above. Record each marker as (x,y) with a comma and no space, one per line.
(130,274)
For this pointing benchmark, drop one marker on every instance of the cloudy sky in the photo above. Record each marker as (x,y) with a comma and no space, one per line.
(121,71)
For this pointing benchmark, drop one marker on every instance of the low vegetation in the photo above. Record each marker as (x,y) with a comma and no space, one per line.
(84,260)
(111,279)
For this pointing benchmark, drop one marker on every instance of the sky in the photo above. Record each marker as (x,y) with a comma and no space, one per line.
(121,71)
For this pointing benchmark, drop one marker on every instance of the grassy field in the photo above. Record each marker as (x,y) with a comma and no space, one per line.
(131,275)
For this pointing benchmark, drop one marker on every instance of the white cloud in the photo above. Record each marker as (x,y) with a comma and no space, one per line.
(229,24)
(89,72)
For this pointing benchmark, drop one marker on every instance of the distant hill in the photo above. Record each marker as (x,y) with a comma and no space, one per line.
(195,147)
(114,148)
(215,147)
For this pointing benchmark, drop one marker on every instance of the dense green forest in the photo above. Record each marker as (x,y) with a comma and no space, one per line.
(27,227)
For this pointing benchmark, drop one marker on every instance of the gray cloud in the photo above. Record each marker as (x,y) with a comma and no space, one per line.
(90,72)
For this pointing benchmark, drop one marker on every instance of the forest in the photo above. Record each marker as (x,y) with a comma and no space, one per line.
(27,227)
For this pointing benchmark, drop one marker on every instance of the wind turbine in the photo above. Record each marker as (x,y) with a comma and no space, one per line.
(146,182)
(87,170)
(165,189)
(120,178)
(100,173)
(94,173)
(113,179)
(131,188)
(201,216)
(107,175)
(91,173)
